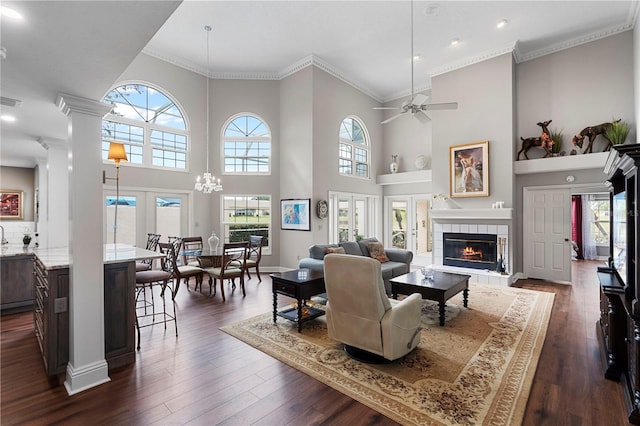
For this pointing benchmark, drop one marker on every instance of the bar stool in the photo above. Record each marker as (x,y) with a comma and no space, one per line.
(163,278)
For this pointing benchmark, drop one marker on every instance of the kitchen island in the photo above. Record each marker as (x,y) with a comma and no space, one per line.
(50,268)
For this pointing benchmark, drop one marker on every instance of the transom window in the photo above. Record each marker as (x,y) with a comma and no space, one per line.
(353,149)
(245,215)
(247,145)
(149,124)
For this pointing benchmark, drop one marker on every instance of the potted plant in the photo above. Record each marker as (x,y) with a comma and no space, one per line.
(556,137)
(618,132)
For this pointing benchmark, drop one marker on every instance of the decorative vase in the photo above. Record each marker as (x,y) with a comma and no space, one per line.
(394,164)
(213,241)
(26,240)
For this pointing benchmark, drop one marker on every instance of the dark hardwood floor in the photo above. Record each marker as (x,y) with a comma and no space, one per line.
(206,377)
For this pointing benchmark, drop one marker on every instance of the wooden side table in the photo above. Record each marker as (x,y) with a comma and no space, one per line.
(300,284)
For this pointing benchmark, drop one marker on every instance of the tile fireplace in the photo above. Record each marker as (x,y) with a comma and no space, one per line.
(482,268)
(476,251)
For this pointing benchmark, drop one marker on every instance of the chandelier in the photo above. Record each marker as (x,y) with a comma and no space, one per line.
(208,183)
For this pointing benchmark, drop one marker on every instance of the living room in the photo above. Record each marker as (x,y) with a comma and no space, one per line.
(499,100)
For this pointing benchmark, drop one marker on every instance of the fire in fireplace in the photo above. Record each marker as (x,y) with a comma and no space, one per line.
(477,251)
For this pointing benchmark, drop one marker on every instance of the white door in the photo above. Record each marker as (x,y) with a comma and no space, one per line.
(352,218)
(547,234)
(408,226)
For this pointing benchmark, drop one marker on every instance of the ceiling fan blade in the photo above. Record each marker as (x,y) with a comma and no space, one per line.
(419,99)
(422,116)
(447,105)
(386,108)
(391,118)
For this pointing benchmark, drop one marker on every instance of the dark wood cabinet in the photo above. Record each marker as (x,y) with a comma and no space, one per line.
(619,287)
(16,283)
(51,315)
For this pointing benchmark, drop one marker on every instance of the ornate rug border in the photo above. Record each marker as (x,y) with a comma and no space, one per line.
(527,360)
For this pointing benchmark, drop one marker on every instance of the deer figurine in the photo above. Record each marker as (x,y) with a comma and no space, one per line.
(544,141)
(592,132)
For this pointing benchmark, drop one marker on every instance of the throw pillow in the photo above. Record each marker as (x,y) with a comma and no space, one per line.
(335,250)
(376,251)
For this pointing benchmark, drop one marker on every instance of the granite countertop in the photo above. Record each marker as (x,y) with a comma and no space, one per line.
(58,258)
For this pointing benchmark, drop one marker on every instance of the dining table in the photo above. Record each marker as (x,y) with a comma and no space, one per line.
(207,258)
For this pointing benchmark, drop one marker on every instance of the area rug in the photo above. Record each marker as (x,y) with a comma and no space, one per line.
(475,370)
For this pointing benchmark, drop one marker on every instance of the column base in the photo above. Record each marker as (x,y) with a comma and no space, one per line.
(86,377)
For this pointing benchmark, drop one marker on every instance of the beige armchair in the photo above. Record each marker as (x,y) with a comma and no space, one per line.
(360,315)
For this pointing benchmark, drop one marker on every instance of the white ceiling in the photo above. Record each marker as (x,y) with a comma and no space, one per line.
(82,47)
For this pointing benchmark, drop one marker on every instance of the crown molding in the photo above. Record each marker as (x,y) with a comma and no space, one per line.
(330,69)
(471,60)
(632,19)
(182,64)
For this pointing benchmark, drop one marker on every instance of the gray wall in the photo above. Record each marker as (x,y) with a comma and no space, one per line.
(406,136)
(553,87)
(228,97)
(296,157)
(575,92)
(485,93)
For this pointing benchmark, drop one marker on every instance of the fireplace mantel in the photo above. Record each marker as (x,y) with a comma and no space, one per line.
(480,214)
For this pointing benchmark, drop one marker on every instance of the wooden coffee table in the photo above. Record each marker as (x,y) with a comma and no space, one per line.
(301,284)
(442,287)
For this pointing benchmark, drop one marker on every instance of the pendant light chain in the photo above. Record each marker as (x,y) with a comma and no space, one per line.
(210,184)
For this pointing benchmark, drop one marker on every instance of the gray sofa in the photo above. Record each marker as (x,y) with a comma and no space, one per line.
(398,264)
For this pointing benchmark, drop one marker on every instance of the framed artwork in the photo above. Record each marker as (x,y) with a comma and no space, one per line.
(469,170)
(295,214)
(11,204)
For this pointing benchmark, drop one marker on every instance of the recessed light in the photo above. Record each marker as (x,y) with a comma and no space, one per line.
(455,41)
(501,23)
(10,13)
(8,118)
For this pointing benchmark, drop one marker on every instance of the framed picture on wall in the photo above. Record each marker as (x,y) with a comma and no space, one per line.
(469,169)
(295,214)
(11,204)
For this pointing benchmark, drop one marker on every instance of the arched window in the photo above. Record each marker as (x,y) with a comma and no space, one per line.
(246,142)
(353,148)
(149,124)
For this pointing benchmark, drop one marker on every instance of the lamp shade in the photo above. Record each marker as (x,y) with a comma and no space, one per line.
(117,152)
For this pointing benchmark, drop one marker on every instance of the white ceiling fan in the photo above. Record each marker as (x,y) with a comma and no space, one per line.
(417,104)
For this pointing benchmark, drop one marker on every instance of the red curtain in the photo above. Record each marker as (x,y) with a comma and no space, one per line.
(576,222)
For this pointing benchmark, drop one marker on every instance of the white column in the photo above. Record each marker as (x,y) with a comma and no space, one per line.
(87,365)
(54,194)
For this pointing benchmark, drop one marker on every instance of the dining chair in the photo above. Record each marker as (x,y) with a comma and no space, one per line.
(164,278)
(152,245)
(187,270)
(254,254)
(231,267)
(191,243)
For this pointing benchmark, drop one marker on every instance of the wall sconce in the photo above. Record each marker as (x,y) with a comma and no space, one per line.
(117,153)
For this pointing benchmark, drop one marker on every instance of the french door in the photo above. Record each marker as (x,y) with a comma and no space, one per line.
(352,216)
(408,226)
(142,212)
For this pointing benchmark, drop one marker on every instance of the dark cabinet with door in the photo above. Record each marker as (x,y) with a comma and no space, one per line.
(619,288)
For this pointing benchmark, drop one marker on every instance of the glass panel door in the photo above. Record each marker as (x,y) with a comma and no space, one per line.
(408,226)
(120,228)
(352,217)
(168,213)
